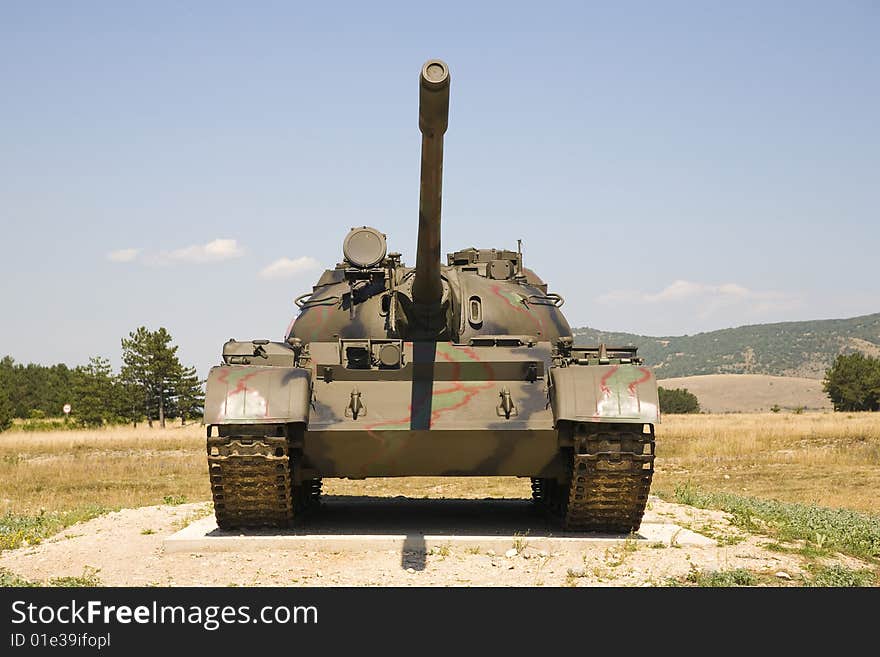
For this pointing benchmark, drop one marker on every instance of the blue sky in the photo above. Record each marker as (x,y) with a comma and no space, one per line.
(670,167)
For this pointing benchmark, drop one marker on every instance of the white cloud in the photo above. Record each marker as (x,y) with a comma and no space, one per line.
(214,251)
(123,255)
(286,268)
(706,299)
(676,291)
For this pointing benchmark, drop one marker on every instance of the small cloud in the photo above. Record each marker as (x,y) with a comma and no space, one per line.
(677,291)
(286,268)
(709,298)
(123,255)
(215,251)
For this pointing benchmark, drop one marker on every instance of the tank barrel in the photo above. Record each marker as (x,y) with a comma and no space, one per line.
(433,120)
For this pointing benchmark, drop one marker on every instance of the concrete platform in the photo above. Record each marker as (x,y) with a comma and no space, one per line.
(357,524)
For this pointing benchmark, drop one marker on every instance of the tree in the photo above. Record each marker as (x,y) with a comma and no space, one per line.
(35,388)
(150,366)
(853,383)
(7,412)
(190,396)
(678,400)
(128,401)
(93,392)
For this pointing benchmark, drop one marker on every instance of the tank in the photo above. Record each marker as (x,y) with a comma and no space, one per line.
(466,368)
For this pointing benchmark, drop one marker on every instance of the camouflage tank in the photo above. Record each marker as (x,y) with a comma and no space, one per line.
(467,368)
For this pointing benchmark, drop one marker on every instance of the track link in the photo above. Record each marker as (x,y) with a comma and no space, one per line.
(610,472)
(252,481)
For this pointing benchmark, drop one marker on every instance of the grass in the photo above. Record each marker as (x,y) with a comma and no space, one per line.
(9,579)
(825,459)
(722,578)
(17,530)
(520,541)
(828,459)
(114,467)
(840,575)
(442,551)
(52,479)
(822,529)
(88,578)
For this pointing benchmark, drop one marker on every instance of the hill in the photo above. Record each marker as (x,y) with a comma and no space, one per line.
(749,393)
(797,349)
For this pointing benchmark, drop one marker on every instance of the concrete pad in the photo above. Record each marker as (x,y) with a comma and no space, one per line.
(407,525)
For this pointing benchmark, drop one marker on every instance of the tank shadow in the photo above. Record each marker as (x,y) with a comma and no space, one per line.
(414,553)
(415,518)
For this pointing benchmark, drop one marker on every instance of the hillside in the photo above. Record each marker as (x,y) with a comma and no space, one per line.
(798,349)
(751,393)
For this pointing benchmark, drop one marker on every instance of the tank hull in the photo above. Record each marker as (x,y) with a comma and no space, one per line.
(446,410)
(436,452)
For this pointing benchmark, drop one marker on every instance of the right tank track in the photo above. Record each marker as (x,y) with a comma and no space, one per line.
(609,472)
(252,481)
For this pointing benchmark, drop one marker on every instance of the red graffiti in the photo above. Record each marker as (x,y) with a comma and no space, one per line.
(646,376)
(603,382)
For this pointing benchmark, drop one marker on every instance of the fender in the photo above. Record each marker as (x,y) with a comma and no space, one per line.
(251,394)
(604,393)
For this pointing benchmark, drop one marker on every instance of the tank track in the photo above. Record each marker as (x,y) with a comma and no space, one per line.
(609,476)
(252,481)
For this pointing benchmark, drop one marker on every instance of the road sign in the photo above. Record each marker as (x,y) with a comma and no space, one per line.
(66,409)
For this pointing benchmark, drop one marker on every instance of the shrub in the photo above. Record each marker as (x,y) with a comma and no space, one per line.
(678,400)
(853,383)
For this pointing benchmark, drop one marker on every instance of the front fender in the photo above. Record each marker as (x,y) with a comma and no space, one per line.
(251,394)
(604,393)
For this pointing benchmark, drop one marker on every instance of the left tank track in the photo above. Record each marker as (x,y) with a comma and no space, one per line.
(253,481)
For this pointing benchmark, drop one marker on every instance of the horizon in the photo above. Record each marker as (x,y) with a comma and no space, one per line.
(573,328)
(672,170)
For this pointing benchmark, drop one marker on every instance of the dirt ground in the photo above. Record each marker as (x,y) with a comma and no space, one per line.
(125,548)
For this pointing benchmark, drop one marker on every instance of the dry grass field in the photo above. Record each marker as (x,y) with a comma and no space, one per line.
(766,471)
(109,468)
(830,459)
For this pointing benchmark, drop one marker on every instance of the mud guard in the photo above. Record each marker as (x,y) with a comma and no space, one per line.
(604,393)
(251,394)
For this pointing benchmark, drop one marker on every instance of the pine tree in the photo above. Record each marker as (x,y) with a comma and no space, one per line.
(93,393)
(128,401)
(190,396)
(151,366)
(6,409)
